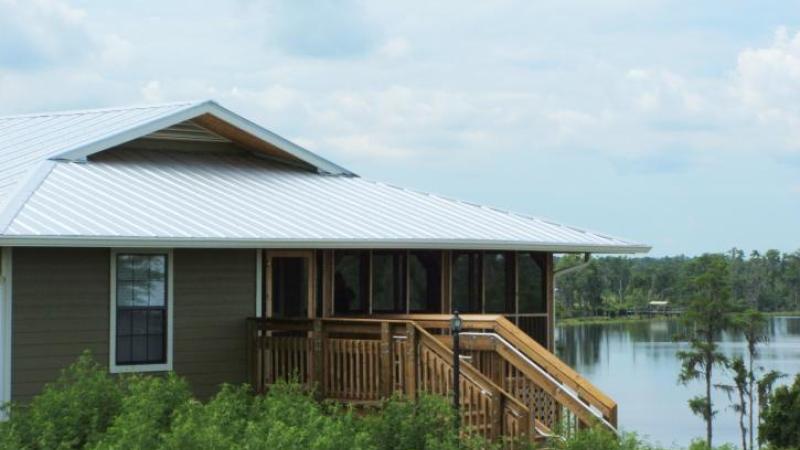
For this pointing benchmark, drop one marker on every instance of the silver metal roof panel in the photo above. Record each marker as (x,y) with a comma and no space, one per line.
(152,198)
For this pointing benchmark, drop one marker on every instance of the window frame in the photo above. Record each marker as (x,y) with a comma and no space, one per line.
(170,282)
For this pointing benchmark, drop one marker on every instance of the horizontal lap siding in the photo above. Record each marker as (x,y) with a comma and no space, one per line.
(214,293)
(60,308)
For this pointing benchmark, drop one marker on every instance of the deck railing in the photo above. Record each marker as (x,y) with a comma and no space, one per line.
(511,385)
(363,361)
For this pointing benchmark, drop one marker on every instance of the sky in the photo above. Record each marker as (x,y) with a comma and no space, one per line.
(675,124)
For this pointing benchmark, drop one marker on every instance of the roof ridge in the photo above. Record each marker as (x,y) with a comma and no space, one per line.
(70,112)
(503,211)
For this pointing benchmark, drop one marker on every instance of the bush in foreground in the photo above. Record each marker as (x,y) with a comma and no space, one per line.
(89,409)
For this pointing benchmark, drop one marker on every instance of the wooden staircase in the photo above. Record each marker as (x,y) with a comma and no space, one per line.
(511,387)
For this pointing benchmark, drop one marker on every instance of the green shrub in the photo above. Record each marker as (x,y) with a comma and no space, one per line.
(146,412)
(700,444)
(780,425)
(219,424)
(598,438)
(601,439)
(70,413)
(288,417)
(86,408)
(427,423)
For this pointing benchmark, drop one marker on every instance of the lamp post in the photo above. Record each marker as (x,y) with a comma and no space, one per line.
(455,329)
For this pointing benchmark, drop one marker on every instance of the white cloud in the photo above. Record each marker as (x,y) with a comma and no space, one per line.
(38,33)
(396,47)
(151,91)
(767,83)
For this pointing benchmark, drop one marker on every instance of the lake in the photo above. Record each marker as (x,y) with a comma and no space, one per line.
(635,364)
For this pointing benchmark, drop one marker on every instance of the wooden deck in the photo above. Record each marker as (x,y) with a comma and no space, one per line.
(511,386)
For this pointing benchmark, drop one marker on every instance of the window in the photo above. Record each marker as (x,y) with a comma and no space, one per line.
(498,276)
(531,285)
(467,282)
(425,280)
(388,282)
(141,311)
(351,279)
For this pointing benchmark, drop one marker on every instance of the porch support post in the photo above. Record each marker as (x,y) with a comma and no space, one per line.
(386,360)
(318,358)
(550,282)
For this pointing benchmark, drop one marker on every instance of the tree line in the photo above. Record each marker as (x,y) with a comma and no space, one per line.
(768,281)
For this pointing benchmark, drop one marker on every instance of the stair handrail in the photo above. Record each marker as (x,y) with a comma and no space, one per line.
(585,390)
(533,350)
(593,412)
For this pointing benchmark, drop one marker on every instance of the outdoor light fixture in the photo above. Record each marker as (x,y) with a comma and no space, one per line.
(456,323)
(455,329)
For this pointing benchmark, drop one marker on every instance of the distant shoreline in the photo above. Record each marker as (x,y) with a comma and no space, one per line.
(594,320)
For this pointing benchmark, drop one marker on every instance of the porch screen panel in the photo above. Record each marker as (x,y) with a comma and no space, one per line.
(532,298)
(141,301)
(351,281)
(467,282)
(498,278)
(425,281)
(388,282)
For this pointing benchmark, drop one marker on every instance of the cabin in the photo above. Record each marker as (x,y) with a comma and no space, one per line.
(184,237)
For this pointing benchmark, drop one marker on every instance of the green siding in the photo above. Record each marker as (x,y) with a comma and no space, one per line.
(214,293)
(61,307)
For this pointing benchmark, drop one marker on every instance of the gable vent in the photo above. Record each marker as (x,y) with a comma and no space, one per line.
(187,131)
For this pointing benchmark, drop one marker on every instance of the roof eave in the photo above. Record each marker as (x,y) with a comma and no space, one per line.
(438,244)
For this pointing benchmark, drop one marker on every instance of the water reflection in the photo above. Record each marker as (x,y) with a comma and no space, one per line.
(635,363)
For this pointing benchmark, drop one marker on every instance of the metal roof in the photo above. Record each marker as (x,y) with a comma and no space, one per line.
(131,196)
(237,199)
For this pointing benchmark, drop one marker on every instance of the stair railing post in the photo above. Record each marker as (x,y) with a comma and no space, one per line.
(411,361)
(496,415)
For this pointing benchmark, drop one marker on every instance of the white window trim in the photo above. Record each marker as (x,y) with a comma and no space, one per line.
(5,327)
(112,351)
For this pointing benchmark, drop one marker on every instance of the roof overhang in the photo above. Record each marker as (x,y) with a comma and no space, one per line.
(401,244)
(221,120)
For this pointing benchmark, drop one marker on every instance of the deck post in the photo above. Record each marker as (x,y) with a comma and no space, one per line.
(612,415)
(496,414)
(411,361)
(386,360)
(528,422)
(317,359)
(250,329)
